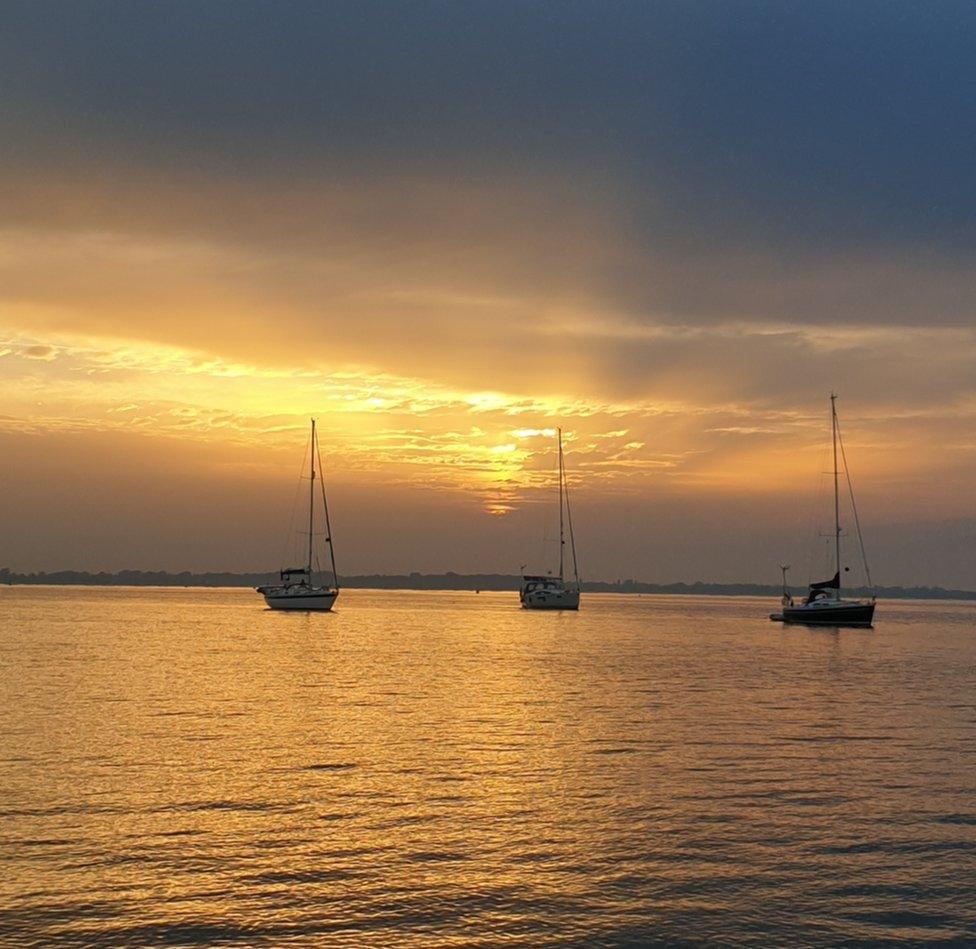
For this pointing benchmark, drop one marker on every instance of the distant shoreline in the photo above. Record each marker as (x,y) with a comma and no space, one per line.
(443,581)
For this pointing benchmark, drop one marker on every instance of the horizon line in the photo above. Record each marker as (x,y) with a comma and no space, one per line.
(11,577)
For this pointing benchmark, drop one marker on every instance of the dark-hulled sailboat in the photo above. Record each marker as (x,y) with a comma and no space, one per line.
(824,605)
(297,589)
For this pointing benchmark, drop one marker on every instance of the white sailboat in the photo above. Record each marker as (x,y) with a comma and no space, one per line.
(823,605)
(555,593)
(296,589)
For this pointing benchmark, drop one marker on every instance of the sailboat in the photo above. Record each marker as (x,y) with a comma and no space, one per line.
(556,593)
(824,605)
(296,589)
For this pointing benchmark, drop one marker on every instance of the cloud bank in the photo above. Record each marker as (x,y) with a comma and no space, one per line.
(670,228)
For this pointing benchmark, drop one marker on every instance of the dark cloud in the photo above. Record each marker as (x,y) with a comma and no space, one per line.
(724,209)
(760,121)
(680,161)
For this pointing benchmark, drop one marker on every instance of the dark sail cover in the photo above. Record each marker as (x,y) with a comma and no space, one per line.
(832,584)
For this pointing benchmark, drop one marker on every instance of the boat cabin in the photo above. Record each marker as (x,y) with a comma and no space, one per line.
(531,584)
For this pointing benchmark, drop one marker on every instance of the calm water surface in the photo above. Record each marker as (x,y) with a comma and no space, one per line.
(183,767)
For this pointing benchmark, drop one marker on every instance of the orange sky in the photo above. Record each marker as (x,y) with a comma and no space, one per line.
(172,314)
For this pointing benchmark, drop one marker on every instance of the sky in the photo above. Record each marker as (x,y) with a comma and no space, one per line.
(446,229)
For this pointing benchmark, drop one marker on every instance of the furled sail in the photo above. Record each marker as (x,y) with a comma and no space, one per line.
(832,584)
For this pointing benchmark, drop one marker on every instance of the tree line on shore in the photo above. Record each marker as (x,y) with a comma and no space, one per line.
(441,581)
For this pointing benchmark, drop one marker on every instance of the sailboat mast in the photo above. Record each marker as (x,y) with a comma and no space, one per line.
(561,541)
(311,503)
(833,428)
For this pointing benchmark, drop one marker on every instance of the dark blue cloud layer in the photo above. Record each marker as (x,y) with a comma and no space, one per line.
(847,120)
(760,141)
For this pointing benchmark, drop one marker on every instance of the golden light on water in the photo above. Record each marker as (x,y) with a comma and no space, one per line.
(453,233)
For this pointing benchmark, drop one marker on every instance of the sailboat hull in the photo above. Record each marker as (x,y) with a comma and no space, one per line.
(319,601)
(548,592)
(834,613)
(568,603)
(550,599)
(296,590)
(823,605)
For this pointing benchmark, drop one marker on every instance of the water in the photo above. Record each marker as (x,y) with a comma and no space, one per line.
(183,767)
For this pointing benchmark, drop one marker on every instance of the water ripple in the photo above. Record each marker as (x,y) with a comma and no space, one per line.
(183,768)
